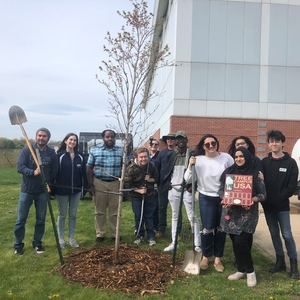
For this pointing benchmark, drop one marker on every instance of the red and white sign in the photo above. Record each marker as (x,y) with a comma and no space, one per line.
(238,189)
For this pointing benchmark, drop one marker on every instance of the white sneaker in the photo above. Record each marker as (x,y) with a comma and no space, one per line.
(73,243)
(152,242)
(251,279)
(62,243)
(237,276)
(198,249)
(170,247)
(139,240)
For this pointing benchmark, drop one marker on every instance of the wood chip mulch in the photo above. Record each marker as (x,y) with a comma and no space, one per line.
(139,271)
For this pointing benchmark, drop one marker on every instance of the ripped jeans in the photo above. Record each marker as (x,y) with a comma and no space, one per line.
(212,240)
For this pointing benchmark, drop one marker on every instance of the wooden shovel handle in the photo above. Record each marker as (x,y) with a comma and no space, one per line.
(33,154)
(31,151)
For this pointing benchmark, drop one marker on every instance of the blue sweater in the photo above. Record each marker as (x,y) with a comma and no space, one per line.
(26,166)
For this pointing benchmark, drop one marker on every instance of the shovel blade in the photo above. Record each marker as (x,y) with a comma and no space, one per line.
(16,115)
(191,262)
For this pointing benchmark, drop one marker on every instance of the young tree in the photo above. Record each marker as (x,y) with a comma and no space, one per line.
(132,58)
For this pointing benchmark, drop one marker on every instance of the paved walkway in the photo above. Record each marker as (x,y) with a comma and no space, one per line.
(262,238)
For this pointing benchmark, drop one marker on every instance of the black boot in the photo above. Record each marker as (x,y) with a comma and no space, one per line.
(279,265)
(294,269)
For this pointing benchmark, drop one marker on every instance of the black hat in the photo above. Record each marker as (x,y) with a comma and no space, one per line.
(170,134)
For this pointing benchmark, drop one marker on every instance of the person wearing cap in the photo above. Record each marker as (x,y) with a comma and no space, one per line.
(177,163)
(32,190)
(161,164)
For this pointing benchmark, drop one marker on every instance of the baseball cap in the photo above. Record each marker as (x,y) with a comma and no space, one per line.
(181,133)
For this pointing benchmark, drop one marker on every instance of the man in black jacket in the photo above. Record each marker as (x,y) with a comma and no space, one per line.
(281,174)
(33,191)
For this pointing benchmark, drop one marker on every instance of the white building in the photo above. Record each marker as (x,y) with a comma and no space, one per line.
(238,69)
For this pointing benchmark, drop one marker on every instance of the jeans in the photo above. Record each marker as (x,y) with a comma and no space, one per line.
(281,221)
(25,202)
(155,212)
(242,251)
(147,217)
(174,199)
(64,202)
(212,240)
(162,210)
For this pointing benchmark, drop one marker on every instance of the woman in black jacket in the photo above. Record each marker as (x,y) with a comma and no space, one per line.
(71,184)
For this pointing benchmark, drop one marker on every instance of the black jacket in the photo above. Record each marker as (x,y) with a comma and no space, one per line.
(281,177)
(71,178)
(171,160)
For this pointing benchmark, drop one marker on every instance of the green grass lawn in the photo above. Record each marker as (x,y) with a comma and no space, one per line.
(33,276)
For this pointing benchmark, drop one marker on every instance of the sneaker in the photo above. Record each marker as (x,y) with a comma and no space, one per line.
(73,243)
(139,240)
(135,232)
(99,239)
(251,279)
(198,249)
(159,234)
(19,251)
(237,276)
(62,243)
(152,242)
(39,249)
(170,247)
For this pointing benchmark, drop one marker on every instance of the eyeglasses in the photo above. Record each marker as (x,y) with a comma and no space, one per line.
(213,144)
(240,144)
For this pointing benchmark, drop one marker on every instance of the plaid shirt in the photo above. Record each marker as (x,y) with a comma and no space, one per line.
(106,161)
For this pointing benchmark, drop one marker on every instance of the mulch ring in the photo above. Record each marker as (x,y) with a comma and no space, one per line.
(139,271)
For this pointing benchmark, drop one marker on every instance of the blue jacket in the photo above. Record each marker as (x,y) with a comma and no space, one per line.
(71,178)
(26,166)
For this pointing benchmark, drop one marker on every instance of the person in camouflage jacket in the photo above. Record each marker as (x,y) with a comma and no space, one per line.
(141,176)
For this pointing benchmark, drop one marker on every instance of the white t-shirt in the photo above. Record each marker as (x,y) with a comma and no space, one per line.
(208,173)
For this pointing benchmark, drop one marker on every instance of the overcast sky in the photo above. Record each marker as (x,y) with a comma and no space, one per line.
(50,51)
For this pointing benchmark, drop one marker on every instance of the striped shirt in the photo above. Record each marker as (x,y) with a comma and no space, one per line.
(106,162)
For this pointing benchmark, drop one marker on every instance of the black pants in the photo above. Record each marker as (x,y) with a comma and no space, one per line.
(242,251)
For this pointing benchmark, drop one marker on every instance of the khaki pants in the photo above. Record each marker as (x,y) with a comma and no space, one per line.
(102,201)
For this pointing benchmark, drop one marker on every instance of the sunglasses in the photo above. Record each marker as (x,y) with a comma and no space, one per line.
(213,144)
(153,144)
(170,138)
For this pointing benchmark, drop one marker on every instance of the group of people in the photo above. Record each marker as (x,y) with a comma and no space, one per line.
(65,173)
(156,178)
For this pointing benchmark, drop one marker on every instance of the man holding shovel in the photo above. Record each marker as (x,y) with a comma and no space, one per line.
(33,190)
(177,164)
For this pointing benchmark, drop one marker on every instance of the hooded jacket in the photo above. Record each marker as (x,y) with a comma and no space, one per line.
(281,177)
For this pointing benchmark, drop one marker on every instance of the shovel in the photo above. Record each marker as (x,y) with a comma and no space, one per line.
(17,116)
(192,258)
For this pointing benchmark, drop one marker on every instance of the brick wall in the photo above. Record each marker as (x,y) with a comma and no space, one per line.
(226,130)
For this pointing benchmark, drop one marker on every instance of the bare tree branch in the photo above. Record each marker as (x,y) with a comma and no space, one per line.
(132,58)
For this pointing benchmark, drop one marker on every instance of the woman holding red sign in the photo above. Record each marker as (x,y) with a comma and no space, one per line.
(240,221)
